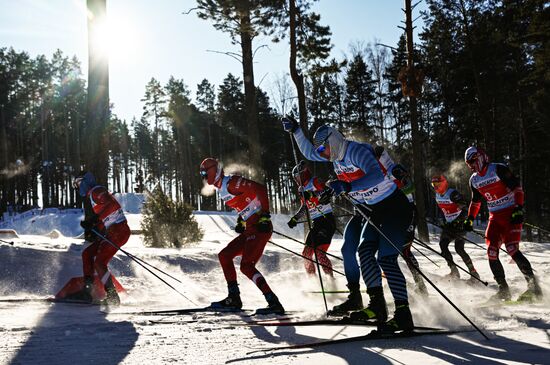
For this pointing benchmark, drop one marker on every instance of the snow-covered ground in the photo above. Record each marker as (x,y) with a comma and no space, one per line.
(38,264)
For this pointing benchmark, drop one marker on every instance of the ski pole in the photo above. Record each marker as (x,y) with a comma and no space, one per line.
(302,243)
(156,268)
(304,257)
(139,263)
(536,227)
(425,245)
(309,223)
(335,216)
(466,238)
(354,201)
(426,257)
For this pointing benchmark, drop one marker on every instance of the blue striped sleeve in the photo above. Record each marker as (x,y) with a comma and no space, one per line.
(306,147)
(359,154)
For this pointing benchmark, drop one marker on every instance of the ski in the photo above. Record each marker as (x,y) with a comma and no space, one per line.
(373,335)
(174,312)
(328,322)
(328,292)
(45,300)
(508,303)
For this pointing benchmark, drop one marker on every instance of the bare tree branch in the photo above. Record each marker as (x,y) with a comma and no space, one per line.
(257,48)
(189,11)
(233,55)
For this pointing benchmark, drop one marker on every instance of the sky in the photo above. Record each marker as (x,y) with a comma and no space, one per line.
(148,39)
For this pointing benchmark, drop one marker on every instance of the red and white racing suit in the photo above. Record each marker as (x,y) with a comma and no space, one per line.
(111,224)
(502,191)
(249,199)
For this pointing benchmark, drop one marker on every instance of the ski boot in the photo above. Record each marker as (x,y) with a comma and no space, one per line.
(376,310)
(474,278)
(354,302)
(454,274)
(233,300)
(112,298)
(402,319)
(503,293)
(421,288)
(533,292)
(273,305)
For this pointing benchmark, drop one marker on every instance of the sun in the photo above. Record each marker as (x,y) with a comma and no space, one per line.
(115,38)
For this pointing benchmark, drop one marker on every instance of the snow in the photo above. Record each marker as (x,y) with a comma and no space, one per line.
(39,264)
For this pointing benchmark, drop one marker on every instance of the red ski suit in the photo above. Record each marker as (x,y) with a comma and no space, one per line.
(249,199)
(111,224)
(503,192)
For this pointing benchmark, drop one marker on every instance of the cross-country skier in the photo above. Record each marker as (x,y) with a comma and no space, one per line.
(502,190)
(452,204)
(103,214)
(249,200)
(362,178)
(323,222)
(400,175)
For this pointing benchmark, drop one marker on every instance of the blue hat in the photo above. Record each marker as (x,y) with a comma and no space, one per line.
(84,182)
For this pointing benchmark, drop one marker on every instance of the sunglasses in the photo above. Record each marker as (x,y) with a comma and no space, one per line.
(435,184)
(322,148)
(203,174)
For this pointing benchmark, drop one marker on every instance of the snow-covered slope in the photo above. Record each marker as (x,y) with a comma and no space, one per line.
(38,333)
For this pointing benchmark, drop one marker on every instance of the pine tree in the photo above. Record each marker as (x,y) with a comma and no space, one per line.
(359,96)
(167,223)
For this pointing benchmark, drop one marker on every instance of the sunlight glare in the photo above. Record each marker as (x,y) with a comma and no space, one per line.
(116,38)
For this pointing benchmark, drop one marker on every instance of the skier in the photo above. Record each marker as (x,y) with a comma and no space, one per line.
(323,222)
(502,190)
(103,214)
(362,178)
(452,204)
(254,226)
(399,174)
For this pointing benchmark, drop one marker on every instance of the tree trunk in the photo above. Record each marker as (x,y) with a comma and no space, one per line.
(254,148)
(418,160)
(297,78)
(97,158)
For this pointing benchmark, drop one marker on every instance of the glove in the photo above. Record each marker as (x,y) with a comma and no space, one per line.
(339,186)
(290,124)
(517,215)
(326,194)
(399,172)
(468,224)
(89,236)
(241,225)
(89,224)
(292,223)
(264,223)
(308,194)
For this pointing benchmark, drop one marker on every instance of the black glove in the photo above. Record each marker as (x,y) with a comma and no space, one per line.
(264,223)
(517,215)
(89,224)
(89,236)
(339,186)
(307,194)
(468,224)
(326,194)
(241,225)
(292,223)
(290,124)
(399,172)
